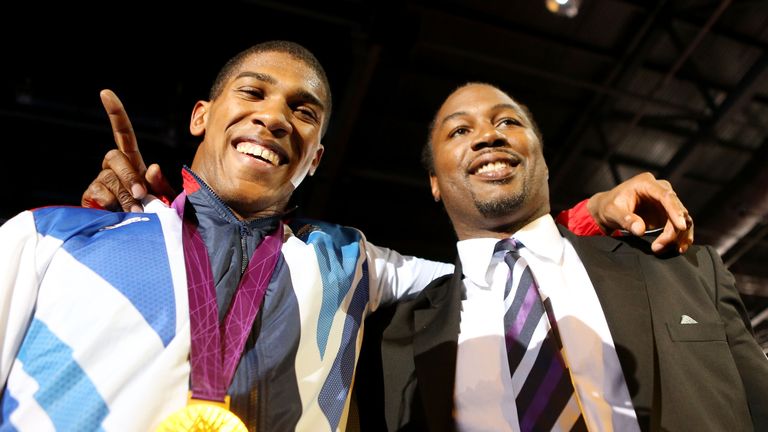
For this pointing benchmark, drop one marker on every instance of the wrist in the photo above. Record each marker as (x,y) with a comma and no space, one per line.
(593,205)
(580,221)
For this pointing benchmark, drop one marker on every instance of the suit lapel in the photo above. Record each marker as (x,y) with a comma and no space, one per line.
(435,341)
(615,273)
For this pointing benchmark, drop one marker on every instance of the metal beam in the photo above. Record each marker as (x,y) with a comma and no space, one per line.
(660,85)
(452,52)
(739,206)
(690,67)
(738,250)
(642,42)
(670,125)
(735,101)
(718,30)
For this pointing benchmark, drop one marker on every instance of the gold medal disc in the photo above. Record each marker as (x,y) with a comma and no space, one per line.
(201,416)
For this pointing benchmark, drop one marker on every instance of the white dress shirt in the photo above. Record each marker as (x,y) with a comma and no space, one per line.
(484,392)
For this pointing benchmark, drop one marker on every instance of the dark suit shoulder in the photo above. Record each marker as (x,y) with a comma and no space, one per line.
(625,244)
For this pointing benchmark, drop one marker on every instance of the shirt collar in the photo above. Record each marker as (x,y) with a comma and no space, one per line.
(540,236)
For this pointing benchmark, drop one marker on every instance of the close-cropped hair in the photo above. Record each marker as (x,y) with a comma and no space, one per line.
(279,46)
(427,157)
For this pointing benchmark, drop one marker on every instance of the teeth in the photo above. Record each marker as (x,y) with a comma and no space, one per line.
(490,167)
(258,151)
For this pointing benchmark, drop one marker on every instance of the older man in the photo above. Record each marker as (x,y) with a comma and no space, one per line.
(538,329)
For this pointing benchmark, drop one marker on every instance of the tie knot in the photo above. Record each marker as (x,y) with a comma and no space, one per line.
(508,244)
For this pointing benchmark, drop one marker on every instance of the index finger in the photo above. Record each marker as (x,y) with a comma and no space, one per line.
(683,239)
(122,129)
(677,214)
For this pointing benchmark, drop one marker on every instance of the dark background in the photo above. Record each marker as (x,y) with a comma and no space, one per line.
(678,88)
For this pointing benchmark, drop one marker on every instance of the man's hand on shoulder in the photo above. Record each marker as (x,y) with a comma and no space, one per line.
(641,204)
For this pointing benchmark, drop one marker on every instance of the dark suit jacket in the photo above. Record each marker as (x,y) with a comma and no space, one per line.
(710,376)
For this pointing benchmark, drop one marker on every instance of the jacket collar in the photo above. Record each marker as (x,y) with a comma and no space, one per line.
(614,269)
(435,343)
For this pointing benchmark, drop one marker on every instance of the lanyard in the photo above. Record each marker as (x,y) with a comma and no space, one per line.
(216,349)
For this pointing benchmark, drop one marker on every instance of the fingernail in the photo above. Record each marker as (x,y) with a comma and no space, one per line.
(136,209)
(656,247)
(137,191)
(637,227)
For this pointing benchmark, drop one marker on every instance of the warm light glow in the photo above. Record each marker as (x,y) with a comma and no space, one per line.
(567,8)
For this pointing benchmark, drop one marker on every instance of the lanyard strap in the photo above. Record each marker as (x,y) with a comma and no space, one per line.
(216,349)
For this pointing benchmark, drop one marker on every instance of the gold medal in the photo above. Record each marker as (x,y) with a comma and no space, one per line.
(203,416)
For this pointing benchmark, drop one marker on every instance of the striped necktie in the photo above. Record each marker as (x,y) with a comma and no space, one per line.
(545,397)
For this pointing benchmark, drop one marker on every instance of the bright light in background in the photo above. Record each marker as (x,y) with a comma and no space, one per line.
(567,8)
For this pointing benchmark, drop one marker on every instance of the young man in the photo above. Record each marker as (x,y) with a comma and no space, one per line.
(109,320)
(538,329)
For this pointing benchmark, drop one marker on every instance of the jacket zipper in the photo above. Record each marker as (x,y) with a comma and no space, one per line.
(241,224)
(243,250)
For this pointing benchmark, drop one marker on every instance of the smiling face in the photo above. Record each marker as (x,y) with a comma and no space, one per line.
(261,133)
(489,168)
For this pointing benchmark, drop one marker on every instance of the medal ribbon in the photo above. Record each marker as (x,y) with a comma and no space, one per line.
(216,349)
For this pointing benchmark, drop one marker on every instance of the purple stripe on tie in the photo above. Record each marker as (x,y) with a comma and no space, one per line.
(531,299)
(543,394)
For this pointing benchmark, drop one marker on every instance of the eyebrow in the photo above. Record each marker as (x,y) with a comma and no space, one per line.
(515,108)
(309,97)
(259,76)
(303,95)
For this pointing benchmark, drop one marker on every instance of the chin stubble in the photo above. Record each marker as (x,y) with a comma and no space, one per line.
(501,206)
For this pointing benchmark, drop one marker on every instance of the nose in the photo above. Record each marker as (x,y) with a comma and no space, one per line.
(271,114)
(489,137)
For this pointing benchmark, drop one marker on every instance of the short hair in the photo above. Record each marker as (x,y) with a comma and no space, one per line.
(293,49)
(427,157)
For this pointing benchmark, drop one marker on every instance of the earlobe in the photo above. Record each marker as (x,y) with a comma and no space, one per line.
(316,160)
(199,118)
(435,188)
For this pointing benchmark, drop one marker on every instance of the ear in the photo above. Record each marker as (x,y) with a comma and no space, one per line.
(316,159)
(199,118)
(435,188)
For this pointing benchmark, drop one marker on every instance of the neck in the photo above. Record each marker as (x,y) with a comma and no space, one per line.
(194,183)
(248,216)
(493,227)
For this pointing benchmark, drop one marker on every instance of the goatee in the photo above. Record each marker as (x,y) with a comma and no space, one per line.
(499,207)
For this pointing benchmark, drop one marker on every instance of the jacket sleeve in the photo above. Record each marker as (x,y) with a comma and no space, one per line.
(579,221)
(750,360)
(19,282)
(394,276)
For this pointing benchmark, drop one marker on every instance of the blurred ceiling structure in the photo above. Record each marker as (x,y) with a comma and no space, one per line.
(677,87)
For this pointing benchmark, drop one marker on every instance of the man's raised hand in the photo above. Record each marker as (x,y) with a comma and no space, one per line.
(125,178)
